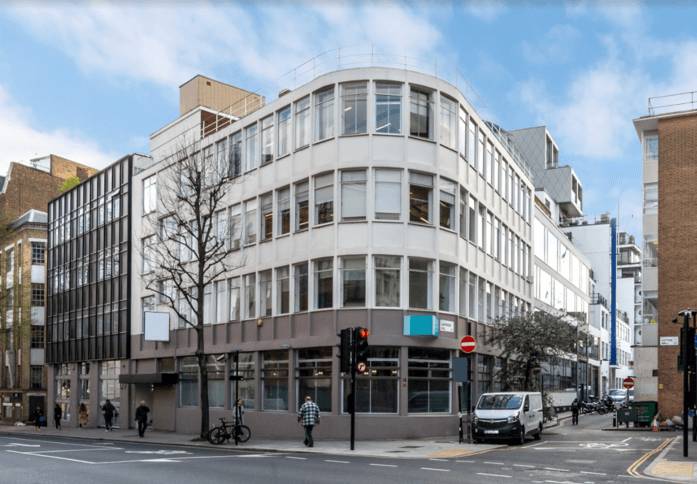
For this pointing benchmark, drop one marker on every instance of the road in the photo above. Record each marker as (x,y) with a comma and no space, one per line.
(567,454)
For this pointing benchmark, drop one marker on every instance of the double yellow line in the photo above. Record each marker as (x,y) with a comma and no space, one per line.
(633,469)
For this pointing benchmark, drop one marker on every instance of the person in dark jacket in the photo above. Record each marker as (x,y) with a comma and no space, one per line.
(109,411)
(142,418)
(308,416)
(574,412)
(38,415)
(57,415)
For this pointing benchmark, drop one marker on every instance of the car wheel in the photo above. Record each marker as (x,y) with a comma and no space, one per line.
(538,435)
(521,437)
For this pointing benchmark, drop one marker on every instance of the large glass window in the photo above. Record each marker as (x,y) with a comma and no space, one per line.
(38,253)
(221,159)
(377,389)
(480,300)
(324,114)
(274,380)
(251,148)
(429,380)
(473,220)
(420,124)
(353,191)
(463,292)
(149,194)
(245,368)
(234,299)
(188,382)
(463,212)
(324,283)
(283,203)
(388,108)
(284,131)
(472,144)
(420,194)
(651,198)
(352,282)
(387,281)
(250,296)
(446,287)
(302,214)
(266,219)
(472,296)
(388,194)
(267,140)
(149,257)
(490,235)
(489,164)
(497,171)
(420,283)
(216,381)
(650,148)
(220,301)
(481,222)
(235,226)
(265,293)
(236,154)
(314,377)
(300,287)
(250,222)
(354,108)
(448,122)
(324,199)
(302,122)
(447,204)
(282,290)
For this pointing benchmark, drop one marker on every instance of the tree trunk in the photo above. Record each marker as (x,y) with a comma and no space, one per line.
(203,370)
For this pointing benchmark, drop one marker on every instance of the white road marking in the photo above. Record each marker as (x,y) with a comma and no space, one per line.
(495,463)
(440,460)
(432,469)
(561,482)
(492,475)
(528,446)
(20,445)
(594,473)
(466,461)
(338,461)
(51,457)
(299,458)
(553,469)
(523,465)
(160,452)
(382,465)
(41,452)
(49,442)
(628,438)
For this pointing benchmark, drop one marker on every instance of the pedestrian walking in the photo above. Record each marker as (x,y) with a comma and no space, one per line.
(109,411)
(308,416)
(574,412)
(238,413)
(57,415)
(142,418)
(83,415)
(38,418)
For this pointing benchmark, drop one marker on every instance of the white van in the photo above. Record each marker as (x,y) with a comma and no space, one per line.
(508,415)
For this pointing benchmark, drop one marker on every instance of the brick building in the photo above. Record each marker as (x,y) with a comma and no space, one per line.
(669,139)
(24,198)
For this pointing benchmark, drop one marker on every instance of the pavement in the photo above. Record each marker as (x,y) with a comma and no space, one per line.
(669,462)
(427,448)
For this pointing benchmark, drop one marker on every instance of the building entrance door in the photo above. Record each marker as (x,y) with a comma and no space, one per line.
(163,417)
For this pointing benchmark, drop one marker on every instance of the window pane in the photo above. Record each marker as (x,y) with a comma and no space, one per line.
(284,131)
(387,281)
(302,215)
(301,287)
(324,115)
(420,124)
(302,122)
(420,283)
(353,191)
(388,194)
(353,282)
(283,211)
(251,142)
(354,108)
(324,199)
(324,287)
(388,108)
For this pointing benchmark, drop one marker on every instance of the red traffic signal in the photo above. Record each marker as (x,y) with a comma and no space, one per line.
(364,333)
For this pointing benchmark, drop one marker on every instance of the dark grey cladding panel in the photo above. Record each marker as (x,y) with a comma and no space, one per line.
(152,378)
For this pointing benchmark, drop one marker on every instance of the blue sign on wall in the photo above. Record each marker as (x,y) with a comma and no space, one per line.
(420,326)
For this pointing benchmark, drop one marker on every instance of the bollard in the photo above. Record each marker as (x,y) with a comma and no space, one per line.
(614,418)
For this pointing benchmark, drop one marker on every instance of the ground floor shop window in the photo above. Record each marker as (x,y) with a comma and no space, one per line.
(429,380)
(188,382)
(216,381)
(377,389)
(109,388)
(63,390)
(245,387)
(314,377)
(274,382)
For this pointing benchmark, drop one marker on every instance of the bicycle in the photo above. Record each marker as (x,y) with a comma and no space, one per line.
(219,434)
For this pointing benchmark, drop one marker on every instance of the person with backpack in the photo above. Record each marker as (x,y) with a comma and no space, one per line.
(142,418)
(38,418)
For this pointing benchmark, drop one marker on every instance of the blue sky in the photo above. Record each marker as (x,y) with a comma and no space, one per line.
(91,82)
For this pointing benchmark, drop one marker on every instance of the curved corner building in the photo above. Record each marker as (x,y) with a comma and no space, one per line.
(373,197)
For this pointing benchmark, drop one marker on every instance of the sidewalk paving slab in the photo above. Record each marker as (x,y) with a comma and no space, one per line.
(672,465)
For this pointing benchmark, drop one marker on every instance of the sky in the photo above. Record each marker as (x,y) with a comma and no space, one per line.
(91,81)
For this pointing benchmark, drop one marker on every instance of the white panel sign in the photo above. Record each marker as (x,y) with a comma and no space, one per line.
(669,341)
(447,326)
(156,326)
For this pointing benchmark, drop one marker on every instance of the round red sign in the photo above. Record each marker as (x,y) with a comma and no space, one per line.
(361,367)
(468,344)
(628,383)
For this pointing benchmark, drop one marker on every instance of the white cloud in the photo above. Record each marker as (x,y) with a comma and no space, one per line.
(486,10)
(167,46)
(555,46)
(20,141)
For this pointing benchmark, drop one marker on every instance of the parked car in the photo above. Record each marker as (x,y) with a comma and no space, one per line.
(508,415)
(620,395)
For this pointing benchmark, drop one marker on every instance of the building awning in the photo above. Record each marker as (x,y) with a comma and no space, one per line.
(152,378)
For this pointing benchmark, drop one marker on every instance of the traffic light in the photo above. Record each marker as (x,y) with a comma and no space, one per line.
(362,345)
(691,345)
(345,346)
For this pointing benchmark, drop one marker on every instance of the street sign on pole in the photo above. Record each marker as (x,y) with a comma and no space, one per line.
(628,383)
(468,344)
(361,367)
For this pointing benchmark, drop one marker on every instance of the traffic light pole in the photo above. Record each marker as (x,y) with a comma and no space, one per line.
(352,403)
(686,376)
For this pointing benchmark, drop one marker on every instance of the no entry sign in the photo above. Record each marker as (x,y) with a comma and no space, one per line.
(468,344)
(628,383)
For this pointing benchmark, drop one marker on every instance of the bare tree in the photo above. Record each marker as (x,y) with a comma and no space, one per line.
(527,342)
(187,243)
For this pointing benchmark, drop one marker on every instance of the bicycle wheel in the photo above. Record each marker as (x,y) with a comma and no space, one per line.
(217,435)
(243,433)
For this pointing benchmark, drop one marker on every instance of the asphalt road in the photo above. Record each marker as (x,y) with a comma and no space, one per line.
(580,454)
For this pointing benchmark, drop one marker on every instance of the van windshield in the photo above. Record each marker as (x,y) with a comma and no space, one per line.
(497,402)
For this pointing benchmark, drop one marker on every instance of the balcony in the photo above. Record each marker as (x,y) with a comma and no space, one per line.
(597,298)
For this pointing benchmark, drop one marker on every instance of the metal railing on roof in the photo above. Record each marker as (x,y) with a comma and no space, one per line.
(671,103)
(364,55)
